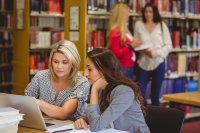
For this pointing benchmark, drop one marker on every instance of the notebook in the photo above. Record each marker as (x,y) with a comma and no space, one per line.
(111,130)
(33,117)
(142,47)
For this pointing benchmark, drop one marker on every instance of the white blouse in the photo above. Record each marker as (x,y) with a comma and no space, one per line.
(158,39)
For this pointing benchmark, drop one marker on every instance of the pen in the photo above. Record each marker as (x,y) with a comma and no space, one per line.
(59,131)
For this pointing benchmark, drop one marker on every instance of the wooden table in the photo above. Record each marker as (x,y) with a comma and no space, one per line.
(29,130)
(187,98)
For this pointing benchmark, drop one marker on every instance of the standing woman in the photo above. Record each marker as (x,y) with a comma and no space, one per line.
(154,32)
(115,100)
(61,91)
(120,39)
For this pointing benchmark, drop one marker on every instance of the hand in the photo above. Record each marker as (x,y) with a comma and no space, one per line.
(135,44)
(81,123)
(100,84)
(151,53)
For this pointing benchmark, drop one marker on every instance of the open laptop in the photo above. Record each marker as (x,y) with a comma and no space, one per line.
(33,117)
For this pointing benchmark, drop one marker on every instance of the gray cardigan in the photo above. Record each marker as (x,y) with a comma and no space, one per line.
(123,112)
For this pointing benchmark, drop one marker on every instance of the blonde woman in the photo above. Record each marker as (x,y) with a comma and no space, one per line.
(120,39)
(60,91)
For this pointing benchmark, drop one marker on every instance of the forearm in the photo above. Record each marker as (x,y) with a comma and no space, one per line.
(135,44)
(94,96)
(53,111)
(164,51)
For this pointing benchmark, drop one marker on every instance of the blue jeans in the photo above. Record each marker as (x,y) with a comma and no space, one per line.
(156,76)
(128,72)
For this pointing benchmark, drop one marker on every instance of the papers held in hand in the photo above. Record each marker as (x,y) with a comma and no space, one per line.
(143,47)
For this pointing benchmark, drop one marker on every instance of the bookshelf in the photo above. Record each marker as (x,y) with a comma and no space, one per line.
(43,26)
(177,18)
(183,19)
(6,45)
(22,48)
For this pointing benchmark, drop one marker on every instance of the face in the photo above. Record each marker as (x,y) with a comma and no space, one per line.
(61,65)
(148,13)
(91,72)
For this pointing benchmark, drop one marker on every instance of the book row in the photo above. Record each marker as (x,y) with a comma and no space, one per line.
(52,22)
(44,39)
(177,7)
(6,5)
(47,6)
(38,62)
(5,21)
(6,38)
(5,77)
(5,57)
(182,63)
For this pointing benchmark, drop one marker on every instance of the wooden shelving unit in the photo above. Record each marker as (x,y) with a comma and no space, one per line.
(6,46)
(23,49)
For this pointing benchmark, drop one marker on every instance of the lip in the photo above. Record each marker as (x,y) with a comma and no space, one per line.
(59,71)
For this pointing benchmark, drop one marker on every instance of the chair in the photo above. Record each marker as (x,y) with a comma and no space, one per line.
(164,120)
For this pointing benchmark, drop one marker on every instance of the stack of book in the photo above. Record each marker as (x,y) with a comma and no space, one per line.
(9,119)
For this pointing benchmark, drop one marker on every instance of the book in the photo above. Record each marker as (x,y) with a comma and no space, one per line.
(9,128)
(8,111)
(35,6)
(54,7)
(10,118)
(142,47)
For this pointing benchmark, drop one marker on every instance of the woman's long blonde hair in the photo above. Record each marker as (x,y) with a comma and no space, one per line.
(118,19)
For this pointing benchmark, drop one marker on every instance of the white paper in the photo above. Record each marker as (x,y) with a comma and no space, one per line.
(20,19)
(74,18)
(67,126)
(19,4)
(73,35)
(103,131)
(71,126)
(143,47)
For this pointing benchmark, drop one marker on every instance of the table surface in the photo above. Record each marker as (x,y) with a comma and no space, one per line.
(189,98)
(31,130)
(28,130)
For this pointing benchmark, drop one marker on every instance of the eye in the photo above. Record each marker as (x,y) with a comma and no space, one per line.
(89,69)
(65,62)
(55,61)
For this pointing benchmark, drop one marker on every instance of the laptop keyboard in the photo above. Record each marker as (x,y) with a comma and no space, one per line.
(49,124)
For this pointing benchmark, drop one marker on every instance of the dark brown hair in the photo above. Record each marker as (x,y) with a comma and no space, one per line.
(109,66)
(156,15)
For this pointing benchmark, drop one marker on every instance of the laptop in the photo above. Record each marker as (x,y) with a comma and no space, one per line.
(33,117)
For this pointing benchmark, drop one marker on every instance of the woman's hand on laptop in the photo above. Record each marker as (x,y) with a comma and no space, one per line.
(81,123)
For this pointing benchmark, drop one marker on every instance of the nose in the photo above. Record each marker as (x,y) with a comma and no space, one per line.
(86,73)
(60,65)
